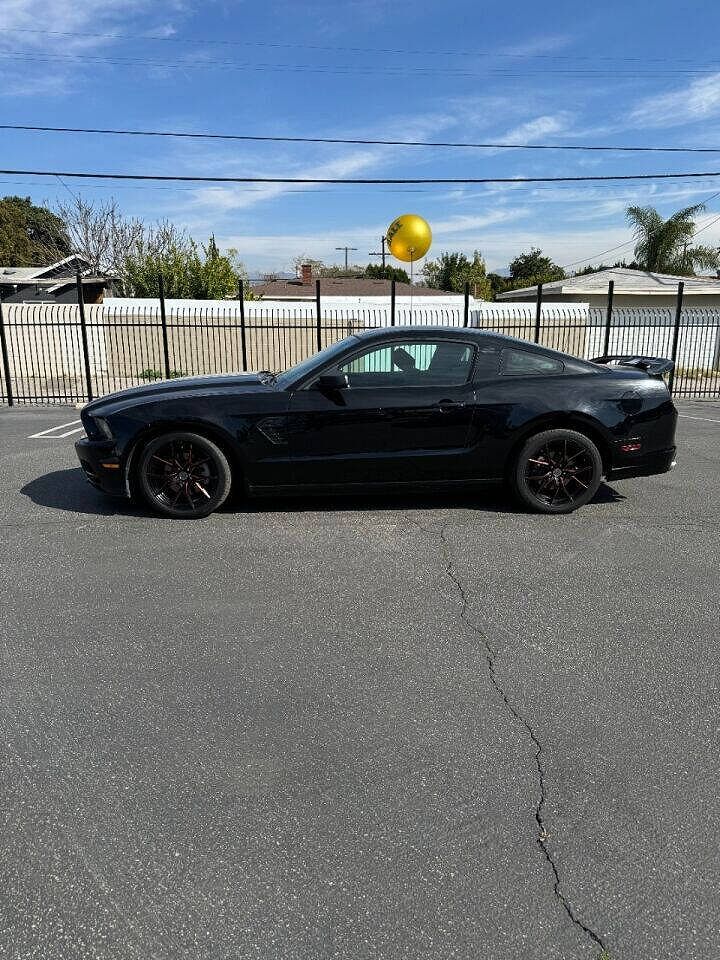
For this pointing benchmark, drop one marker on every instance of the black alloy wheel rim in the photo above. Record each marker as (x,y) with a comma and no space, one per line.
(560,472)
(182,475)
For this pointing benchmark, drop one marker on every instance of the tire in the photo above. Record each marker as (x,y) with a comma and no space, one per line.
(183,474)
(556,471)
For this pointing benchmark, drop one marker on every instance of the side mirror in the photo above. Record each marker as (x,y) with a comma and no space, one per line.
(332,381)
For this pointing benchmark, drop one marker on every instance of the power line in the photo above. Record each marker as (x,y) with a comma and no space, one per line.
(537,190)
(512,73)
(380,51)
(178,178)
(707,226)
(620,246)
(248,190)
(356,141)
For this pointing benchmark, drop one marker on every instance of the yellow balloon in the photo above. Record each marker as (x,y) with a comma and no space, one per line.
(409,237)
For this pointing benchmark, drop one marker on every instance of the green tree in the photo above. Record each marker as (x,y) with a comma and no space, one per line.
(497,284)
(335,270)
(451,271)
(533,267)
(188,271)
(665,246)
(221,273)
(375,271)
(606,266)
(30,236)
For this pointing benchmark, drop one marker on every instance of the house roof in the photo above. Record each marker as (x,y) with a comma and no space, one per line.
(626,281)
(341,287)
(51,272)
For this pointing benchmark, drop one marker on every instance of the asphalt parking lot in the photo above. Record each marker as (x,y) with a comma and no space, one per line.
(433,728)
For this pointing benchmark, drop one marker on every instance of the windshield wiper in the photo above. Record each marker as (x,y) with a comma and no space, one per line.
(266,376)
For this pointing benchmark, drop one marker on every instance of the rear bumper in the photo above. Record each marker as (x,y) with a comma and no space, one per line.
(101,466)
(659,461)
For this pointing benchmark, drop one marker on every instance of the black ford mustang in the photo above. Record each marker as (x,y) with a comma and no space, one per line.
(393,407)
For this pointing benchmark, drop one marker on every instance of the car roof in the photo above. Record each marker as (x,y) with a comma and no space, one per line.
(424,331)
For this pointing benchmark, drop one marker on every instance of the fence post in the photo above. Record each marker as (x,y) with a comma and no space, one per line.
(676,334)
(466,314)
(608,317)
(538,308)
(317,314)
(5,360)
(243,341)
(83,335)
(392,303)
(163,321)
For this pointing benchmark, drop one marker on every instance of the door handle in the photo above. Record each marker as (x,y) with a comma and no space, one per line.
(450,404)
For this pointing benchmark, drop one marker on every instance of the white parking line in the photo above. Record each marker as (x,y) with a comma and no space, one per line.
(686,416)
(52,430)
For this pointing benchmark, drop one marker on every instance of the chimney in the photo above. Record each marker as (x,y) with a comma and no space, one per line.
(306,273)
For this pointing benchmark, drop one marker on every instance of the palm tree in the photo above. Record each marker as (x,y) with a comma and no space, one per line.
(664,246)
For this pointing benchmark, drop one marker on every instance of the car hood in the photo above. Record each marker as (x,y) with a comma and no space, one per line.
(178,387)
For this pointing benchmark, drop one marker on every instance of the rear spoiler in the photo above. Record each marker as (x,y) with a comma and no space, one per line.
(653,366)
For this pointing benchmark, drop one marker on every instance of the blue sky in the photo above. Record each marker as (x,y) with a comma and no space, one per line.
(639,74)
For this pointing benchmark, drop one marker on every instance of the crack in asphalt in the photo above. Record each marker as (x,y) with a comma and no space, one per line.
(491,656)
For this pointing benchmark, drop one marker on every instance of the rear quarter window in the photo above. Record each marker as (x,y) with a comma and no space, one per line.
(524,363)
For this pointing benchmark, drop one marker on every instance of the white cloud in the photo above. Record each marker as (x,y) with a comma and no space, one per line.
(226,199)
(698,101)
(26,23)
(349,163)
(456,226)
(537,46)
(355,162)
(537,129)
(51,30)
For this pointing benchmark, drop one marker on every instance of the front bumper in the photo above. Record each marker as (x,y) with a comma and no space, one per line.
(101,465)
(646,465)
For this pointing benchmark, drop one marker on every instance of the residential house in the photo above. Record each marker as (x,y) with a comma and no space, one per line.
(54,283)
(362,289)
(632,288)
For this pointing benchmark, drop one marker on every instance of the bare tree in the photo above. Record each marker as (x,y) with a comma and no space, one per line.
(100,232)
(305,260)
(109,240)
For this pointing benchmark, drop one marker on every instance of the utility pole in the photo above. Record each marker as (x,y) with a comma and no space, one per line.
(346,249)
(383,241)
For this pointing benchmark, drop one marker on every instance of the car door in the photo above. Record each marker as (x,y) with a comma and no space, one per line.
(511,385)
(405,416)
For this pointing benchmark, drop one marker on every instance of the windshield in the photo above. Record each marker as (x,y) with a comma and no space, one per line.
(320,359)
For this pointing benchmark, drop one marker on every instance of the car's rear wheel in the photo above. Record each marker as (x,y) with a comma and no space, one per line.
(184,475)
(557,471)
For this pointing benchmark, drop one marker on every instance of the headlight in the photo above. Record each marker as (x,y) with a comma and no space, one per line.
(103,427)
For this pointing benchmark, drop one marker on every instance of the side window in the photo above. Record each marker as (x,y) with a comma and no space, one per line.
(487,361)
(418,363)
(524,363)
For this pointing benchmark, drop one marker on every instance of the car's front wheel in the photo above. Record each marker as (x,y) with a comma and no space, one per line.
(184,475)
(557,471)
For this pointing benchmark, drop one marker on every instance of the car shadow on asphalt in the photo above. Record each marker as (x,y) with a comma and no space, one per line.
(68,490)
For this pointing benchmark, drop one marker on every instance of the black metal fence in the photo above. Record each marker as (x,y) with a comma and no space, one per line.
(67,353)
